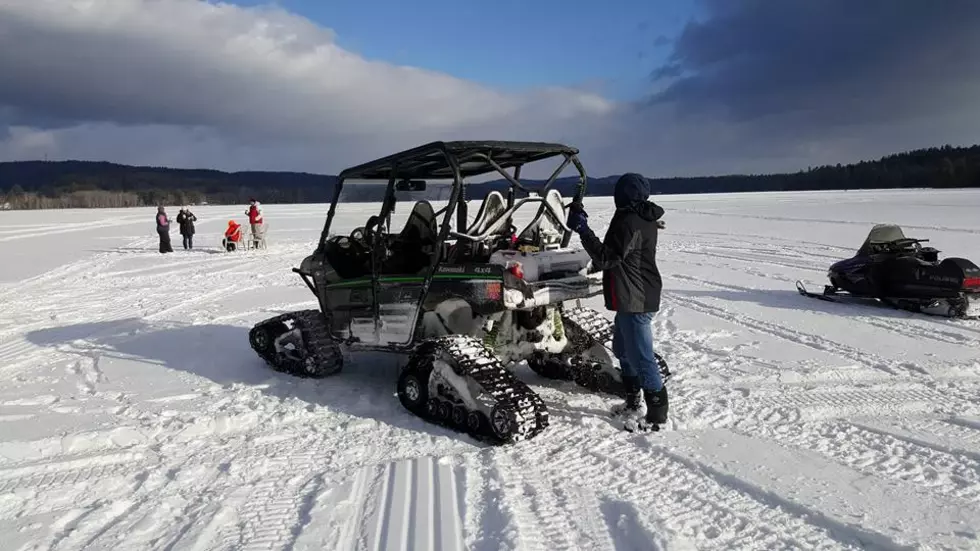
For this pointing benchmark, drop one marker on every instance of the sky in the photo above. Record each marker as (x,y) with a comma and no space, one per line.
(665,88)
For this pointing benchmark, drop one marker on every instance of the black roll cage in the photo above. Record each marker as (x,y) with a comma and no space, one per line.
(439,160)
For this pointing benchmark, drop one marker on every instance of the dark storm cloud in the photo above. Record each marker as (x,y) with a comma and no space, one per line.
(826,62)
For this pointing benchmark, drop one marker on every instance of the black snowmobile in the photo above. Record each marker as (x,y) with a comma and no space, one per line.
(898,271)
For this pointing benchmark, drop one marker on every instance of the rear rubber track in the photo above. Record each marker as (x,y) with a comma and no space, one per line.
(587,328)
(315,355)
(507,410)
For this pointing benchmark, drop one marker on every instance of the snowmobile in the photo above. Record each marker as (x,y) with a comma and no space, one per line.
(899,272)
(461,306)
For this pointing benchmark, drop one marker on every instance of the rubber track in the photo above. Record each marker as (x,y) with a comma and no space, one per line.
(326,356)
(474,360)
(587,327)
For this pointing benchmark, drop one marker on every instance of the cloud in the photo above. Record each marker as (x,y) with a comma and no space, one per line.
(825,81)
(753,86)
(244,78)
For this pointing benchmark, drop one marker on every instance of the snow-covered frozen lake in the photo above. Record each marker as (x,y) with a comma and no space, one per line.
(134,415)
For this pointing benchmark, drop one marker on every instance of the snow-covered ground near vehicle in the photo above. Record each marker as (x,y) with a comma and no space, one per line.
(134,414)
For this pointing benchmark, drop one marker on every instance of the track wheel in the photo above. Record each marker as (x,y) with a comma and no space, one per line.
(459,416)
(413,392)
(548,367)
(475,421)
(605,382)
(445,410)
(263,337)
(502,422)
(585,377)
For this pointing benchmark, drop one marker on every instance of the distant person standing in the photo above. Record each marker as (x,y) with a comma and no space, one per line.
(186,219)
(163,230)
(256,221)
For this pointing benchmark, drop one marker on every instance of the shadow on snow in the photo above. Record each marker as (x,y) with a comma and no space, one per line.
(221,353)
(786,299)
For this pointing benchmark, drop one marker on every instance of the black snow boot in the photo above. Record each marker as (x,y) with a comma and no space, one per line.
(632,407)
(656,415)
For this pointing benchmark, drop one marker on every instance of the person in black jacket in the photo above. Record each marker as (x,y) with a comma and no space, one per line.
(186,219)
(631,286)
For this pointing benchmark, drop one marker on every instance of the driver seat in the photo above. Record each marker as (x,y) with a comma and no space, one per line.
(413,248)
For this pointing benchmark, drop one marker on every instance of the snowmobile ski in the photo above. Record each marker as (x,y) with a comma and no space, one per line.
(960,308)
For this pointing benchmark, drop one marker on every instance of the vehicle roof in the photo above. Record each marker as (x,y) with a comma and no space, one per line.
(429,161)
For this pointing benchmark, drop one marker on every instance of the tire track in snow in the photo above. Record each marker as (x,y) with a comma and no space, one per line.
(74,471)
(680,503)
(278,502)
(893,325)
(837,250)
(753,259)
(879,453)
(843,401)
(824,221)
(520,527)
(808,340)
(541,507)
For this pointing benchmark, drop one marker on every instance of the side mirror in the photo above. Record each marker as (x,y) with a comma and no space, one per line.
(410,185)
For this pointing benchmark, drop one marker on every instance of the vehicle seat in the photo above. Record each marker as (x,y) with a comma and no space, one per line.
(413,248)
(491,209)
(487,218)
(544,229)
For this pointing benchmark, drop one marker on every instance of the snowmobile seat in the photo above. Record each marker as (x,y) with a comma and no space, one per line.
(412,249)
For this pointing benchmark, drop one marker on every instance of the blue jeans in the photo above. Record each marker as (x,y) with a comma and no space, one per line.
(633,347)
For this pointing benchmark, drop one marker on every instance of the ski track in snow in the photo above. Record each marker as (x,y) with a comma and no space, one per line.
(135,415)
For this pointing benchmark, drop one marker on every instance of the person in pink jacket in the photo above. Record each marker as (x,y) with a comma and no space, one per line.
(163,230)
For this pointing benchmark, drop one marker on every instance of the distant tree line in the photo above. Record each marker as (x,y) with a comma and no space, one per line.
(80,184)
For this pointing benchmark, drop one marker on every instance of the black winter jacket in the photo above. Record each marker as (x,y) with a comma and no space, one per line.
(631,281)
(186,221)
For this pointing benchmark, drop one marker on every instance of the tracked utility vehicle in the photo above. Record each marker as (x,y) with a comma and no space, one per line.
(464,300)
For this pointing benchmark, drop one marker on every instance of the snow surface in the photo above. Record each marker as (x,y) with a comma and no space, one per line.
(134,415)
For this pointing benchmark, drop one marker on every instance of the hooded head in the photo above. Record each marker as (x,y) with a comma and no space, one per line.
(631,188)
(633,192)
(232,223)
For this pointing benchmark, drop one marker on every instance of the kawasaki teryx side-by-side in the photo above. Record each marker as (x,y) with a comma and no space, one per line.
(899,272)
(463,303)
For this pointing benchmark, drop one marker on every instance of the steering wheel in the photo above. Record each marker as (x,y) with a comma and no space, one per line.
(366,234)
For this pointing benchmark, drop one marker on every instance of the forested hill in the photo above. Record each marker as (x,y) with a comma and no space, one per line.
(68,184)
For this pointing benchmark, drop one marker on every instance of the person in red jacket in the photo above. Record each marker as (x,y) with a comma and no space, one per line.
(233,235)
(255,219)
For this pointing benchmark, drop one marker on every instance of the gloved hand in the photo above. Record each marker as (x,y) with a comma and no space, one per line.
(661,224)
(578,219)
